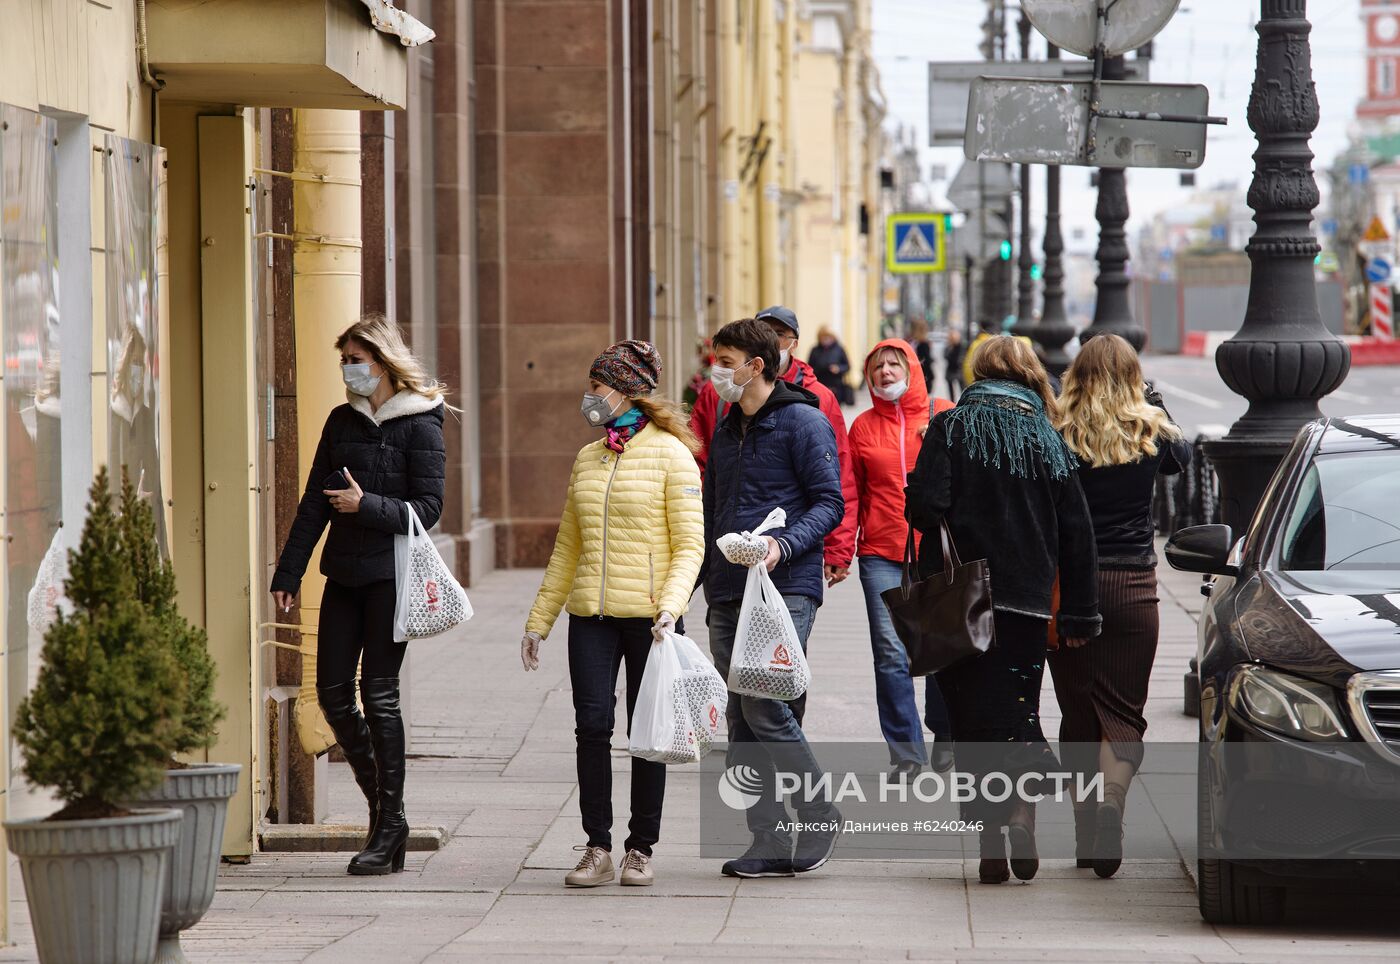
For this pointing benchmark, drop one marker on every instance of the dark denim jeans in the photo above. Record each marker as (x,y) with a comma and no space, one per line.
(894,687)
(767,734)
(597,649)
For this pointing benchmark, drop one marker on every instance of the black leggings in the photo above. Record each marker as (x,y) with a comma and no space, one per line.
(355,620)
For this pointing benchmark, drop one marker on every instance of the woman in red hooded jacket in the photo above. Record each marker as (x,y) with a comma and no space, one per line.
(884,445)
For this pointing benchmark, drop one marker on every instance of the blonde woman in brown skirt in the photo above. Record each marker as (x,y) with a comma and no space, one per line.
(1116,425)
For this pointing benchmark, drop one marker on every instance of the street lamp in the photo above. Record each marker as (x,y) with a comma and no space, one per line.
(1282,359)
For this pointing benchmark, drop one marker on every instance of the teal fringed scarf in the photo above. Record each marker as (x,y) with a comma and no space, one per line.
(1004,425)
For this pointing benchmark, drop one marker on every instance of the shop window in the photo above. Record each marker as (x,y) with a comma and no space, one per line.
(32,426)
(134,180)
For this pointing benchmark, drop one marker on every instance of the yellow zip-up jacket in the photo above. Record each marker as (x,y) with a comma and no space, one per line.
(632,537)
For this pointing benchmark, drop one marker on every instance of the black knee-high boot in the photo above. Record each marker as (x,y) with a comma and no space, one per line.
(384,853)
(352,733)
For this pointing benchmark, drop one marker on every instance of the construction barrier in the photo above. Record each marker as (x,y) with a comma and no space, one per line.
(1365,349)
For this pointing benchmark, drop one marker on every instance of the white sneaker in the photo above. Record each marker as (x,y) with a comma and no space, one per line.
(636,870)
(594,867)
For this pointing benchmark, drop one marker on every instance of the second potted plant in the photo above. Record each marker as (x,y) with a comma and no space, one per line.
(201,791)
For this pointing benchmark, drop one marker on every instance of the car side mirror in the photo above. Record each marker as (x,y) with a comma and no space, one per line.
(1202,549)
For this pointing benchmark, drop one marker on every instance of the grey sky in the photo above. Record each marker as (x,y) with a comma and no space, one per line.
(1209,42)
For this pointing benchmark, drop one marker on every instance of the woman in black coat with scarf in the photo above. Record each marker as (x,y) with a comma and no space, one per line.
(996,470)
(381,454)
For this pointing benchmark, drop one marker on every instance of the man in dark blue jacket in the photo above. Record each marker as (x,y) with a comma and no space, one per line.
(774,449)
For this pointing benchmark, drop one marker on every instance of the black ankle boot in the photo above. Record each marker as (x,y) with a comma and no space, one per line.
(1085,827)
(384,854)
(1020,833)
(352,733)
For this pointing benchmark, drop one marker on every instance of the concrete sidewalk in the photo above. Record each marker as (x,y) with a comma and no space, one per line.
(494,764)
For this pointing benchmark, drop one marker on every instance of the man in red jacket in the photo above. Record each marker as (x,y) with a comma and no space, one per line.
(840,544)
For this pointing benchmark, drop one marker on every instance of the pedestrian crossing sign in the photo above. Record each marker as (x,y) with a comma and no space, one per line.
(914,243)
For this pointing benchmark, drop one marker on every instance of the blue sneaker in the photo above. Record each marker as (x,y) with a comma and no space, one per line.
(816,841)
(758,861)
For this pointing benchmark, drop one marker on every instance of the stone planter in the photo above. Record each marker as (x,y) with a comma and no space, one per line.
(95,886)
(201,793)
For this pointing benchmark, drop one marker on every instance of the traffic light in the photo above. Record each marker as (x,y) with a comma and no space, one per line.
(1006,251)
(1035,272)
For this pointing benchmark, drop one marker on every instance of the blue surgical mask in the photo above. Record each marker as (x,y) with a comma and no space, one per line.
(358,379)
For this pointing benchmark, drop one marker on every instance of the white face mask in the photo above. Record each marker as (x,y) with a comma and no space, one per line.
(723,380)
(891,393)
(358,379)
(784,356)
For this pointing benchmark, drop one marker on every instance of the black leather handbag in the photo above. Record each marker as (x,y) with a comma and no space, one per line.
(947,617)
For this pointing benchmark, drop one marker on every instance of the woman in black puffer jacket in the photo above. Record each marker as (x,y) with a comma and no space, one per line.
(379,455)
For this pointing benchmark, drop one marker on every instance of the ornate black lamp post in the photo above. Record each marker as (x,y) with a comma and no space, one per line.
(1054,329)
(1282,359)
(1113,313)
(1025,288)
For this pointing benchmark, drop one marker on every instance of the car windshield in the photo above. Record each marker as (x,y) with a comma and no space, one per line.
(1346,515)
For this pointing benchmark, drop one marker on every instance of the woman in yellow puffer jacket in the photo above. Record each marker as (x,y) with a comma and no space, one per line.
(625,562)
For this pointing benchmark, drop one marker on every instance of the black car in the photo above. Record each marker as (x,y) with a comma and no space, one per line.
(1299,664)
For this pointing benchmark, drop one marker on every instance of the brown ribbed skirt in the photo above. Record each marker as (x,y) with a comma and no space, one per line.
(1102,686)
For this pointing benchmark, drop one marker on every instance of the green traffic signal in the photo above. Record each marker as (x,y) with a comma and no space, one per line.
(1035,272)
(1006,251)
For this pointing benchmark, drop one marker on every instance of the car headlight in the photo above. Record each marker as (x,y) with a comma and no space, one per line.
(1289,705)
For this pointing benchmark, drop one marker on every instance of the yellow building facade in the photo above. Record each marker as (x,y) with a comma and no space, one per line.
(800,155)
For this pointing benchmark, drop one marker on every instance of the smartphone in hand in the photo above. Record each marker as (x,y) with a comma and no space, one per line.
(336,481)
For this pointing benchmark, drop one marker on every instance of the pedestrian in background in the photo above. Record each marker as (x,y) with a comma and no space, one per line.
(885,443)
(829,360)
(918,337)
(380,454)
(630,546)
(953,353)
(998,473)
(1123,440)
(710,409)
(773,450)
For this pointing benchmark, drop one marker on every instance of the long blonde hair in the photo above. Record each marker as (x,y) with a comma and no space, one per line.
(669,417)
(386,344)
(1010,359)
(1104,416)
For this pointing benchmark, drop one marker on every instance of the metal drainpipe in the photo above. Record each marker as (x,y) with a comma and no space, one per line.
(326,265)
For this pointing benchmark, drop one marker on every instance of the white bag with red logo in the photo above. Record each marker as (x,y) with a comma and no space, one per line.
(680,704)
(767,660)
(431,601)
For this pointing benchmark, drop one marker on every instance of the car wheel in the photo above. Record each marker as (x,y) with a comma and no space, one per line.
(1224,899)
(1222,896)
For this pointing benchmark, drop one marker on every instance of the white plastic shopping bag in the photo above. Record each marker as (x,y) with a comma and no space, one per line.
(46,597)
(767,661)
(430,601)
(680,704)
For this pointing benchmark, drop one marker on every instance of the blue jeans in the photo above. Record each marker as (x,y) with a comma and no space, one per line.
(767,734)
(894,688)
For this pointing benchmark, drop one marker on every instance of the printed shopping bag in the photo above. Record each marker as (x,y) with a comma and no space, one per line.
(767,661)
(431,601)
(706,694)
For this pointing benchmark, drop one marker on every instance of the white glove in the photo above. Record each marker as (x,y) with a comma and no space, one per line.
(665,623)
(530,651)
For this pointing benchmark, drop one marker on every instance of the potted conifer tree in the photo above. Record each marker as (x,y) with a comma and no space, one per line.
(99,728)
(201,791)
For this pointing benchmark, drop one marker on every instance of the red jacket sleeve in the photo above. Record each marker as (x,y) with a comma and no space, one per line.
(702,423)
(840,543)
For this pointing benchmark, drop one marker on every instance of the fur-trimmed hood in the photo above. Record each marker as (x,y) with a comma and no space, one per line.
(406,402)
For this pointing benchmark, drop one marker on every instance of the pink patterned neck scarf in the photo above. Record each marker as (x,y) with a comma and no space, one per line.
(619,434)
